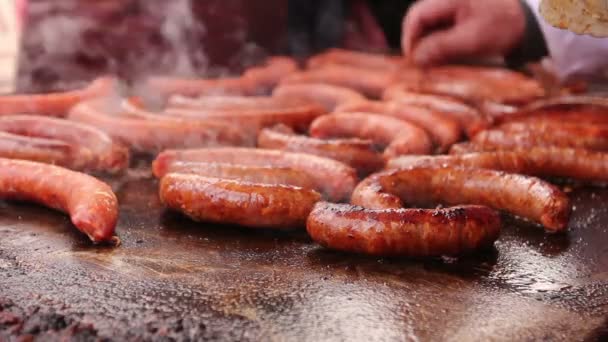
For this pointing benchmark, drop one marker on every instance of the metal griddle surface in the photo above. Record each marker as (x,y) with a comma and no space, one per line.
(173,277)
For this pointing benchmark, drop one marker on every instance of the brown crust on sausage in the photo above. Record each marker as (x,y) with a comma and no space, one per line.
(334,179)
(524,196)
(237,202)
(403,232)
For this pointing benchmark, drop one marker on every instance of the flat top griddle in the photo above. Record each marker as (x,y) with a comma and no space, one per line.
(175,278)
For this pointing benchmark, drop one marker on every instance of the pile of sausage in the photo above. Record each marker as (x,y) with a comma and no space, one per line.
(339,146)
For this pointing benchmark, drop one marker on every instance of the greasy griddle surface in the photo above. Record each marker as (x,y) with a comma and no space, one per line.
(173,277)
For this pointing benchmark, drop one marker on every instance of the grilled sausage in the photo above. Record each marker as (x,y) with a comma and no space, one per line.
(328,96)
(360,154)
(334,179)
(91,204)
(399,137)
(237,202)
(524,196)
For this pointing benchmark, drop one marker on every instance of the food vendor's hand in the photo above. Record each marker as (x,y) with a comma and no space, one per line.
(438,31)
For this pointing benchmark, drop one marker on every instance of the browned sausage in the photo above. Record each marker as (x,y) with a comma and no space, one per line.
(327,95)
(572,163)
(444,130)
(254,174)
(267,76)
(151,136)
(470,119)
(360,154)
(356,59)
(237,202)
(91,204)
(367,82)
(399,137)
(92,149)
(336,180)
(524,196)
(55,104)
(403,232)
(526,134)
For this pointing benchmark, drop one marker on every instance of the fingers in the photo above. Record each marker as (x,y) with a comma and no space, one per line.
(462,40)
(424,15)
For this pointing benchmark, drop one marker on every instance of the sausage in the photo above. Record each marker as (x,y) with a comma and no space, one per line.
(444,130)
(293,113)
(479,85)
(469,147)
(399,137)
(524,196)
(484,84)
(267,76)
(328,96)
(151,136)
(214,103)
(370,83)
(254,174)
(166,86)
(569,101)
(470,119)
(334,179)
(403,232)
(526,134)
(586,115)
(55,104)
(43,150)
(360,154)
(237,202)
(91,204)
(92,149)
(580,164)
(355,59)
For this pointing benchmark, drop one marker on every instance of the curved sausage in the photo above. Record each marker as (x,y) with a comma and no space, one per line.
(399,137)
(360,154)
(526,134)
(470,119)
(254,174)
(524,196)
(267,76)
(575,114)
(91,204)
(367,82)
(151,136)
(327,95)
(444,130)
(92,149)
(355,59)
(403,232)
(218,103)
(166,86)
(55,104)
(293,113)
(237,202)
(336,180)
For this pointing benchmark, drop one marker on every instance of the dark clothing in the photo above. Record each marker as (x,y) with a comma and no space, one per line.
(315,25)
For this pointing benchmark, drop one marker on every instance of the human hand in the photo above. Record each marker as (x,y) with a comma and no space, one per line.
(438,31)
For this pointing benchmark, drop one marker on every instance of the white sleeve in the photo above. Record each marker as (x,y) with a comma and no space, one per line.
(573,55)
